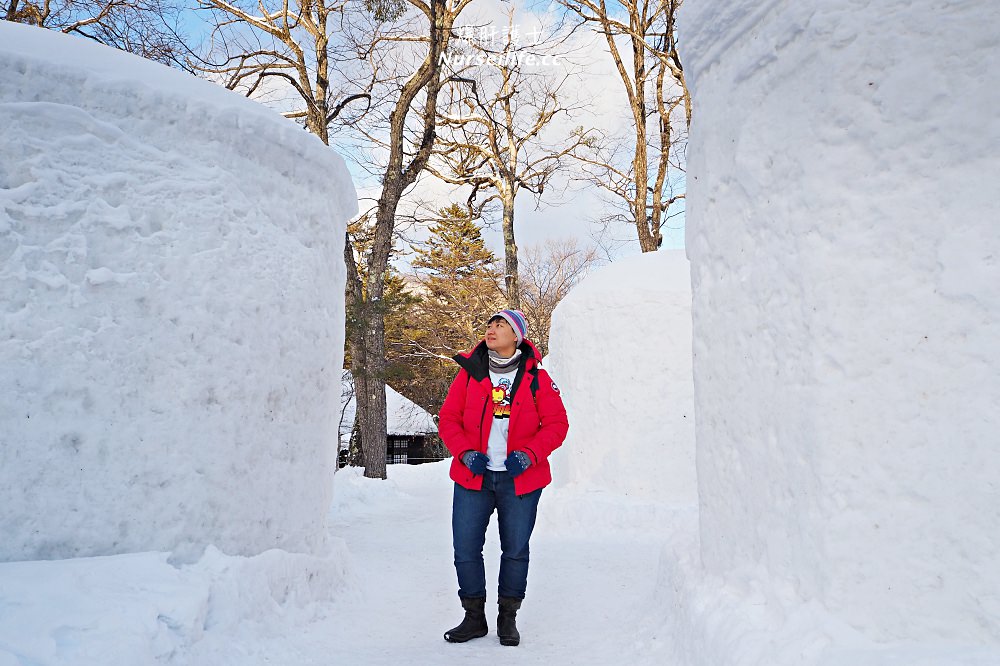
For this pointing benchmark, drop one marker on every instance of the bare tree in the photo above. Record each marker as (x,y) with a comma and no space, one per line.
(548,272)
(148,28)
(493,132)
(652,68)
(409,144)
(268,50)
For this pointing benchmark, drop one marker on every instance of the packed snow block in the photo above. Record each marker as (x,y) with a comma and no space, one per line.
(171,308)
(842,228)
(620,351)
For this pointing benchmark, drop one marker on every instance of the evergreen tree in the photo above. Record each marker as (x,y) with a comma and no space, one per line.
(457,286)
(461,280)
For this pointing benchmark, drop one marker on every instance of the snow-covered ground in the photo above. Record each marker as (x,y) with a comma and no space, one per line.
(385,596)
(602,590)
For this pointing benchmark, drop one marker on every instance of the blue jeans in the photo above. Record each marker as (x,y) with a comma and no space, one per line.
(470,516)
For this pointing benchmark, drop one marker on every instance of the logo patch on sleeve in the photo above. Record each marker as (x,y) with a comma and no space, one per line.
(555,388)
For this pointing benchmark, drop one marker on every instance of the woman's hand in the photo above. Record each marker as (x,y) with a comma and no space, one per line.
(517,462)
(475,461)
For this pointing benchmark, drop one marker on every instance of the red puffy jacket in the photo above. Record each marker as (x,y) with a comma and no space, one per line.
(538,423)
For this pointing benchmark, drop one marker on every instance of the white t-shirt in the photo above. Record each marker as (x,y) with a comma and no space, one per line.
(496,447)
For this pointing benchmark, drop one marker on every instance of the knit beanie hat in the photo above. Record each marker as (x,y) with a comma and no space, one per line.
(517,322)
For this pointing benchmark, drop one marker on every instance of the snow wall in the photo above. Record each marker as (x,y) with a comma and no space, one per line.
(842,229)
(620,351)
(171,285)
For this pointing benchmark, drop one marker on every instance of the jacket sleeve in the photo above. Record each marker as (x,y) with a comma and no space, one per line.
(450,419)
(552,415)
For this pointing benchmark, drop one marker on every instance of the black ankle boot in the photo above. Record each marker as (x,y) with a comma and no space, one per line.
(507,621)
(474,624)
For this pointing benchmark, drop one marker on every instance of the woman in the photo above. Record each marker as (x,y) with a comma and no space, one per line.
(502,418)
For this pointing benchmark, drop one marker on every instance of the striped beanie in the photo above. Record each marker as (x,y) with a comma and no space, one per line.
(517,322)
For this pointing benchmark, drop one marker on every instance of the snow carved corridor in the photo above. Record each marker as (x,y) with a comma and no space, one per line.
(845,366)
(590,591)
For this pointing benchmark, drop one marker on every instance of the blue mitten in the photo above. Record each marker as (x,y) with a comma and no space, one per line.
(475,461)
(517,462)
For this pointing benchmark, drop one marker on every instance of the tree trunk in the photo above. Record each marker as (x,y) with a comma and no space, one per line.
(397,178)
(373,417)
(663,163)
(368,371)
(510,255)
(640,164)
(373,425)
(369,387)
(369,367)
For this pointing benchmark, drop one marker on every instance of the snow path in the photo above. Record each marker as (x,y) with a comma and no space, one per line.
(587,591)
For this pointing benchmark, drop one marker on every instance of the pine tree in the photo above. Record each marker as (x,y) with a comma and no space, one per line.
(457,286)
(461,279)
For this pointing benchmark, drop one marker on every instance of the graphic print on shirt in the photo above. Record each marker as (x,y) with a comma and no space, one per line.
(501,399)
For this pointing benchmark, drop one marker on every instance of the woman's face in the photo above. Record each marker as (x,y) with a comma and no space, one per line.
(500,337)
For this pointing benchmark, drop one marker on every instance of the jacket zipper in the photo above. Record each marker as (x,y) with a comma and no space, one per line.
(482,416)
